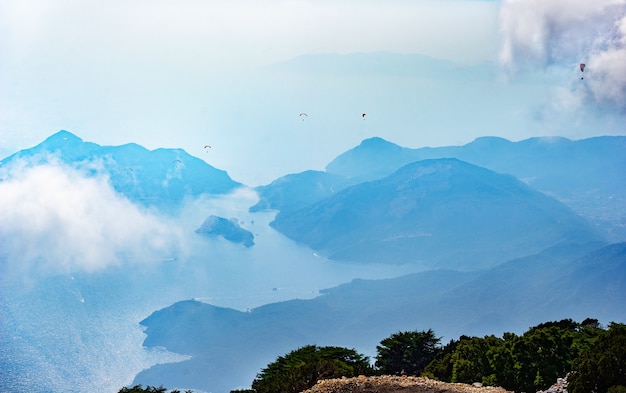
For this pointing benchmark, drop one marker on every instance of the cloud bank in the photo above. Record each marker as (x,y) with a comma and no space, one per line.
(55,219)
(567,33)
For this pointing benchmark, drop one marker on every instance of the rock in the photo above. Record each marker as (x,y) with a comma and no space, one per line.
(396,384)
(559,387)
(228,229)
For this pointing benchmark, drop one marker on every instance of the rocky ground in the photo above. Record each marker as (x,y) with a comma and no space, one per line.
(395,384)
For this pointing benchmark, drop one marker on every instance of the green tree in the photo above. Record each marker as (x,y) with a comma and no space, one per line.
(603,365)
(544,355)
(503,362)
(302,368)
(546,352)
(441,367)
(407,352)
(471,361)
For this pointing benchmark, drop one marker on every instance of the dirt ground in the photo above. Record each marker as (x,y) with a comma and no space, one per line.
(394,384)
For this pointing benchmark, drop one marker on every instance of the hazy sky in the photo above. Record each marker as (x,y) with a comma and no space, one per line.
(185,73)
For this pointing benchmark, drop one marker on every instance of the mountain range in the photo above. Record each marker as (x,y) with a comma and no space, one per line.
(563,282)
(439,213)
(587,175)
(161,177)
(501,251)
(503,235)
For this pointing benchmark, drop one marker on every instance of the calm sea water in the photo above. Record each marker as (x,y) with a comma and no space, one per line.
(79,331)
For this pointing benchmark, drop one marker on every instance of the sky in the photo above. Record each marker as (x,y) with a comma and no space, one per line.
(184,74)
(236,75)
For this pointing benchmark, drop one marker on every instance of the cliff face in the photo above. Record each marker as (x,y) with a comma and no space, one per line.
(395,384)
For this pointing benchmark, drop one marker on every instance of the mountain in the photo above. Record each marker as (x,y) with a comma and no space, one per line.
(228,348)
(587,175)
(228,229)
(383,64)
(161,177)
(442,213)
(292,192)
(551,164)
(374,158)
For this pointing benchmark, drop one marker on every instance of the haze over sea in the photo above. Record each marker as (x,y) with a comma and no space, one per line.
(95,316)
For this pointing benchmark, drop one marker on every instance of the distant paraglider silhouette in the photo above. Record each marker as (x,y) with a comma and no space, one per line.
(303,116)
(363,116)
(582,69)
(206,147)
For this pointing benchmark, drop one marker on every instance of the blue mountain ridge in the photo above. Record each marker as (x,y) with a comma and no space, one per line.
(587,175)
(228,347)
(161,177)
(570,276)
(386,64)
(548,163)
(507,296)
(443,213)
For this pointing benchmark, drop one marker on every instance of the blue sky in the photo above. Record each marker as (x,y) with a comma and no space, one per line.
(189,73)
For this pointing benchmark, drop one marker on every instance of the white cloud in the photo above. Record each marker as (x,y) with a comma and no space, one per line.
(566,33)
(54,219)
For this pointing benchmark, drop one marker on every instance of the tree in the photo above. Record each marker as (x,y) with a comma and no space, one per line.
(502,361)
(302,368)
(441,367)
(544,354)
(407,352)
(602,367)
(471,361)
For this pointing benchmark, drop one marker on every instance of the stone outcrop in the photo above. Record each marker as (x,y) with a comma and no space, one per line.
(228,229)
(559,387)
(396,384)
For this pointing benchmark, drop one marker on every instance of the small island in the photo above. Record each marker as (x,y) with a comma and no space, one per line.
(228,229)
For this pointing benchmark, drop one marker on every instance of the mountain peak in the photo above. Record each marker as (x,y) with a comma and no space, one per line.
(441,212)
(370,150)
(63,136)
(163,177)
(377,143)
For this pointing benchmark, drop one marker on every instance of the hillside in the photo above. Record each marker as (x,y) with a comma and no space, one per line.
(510,297)
(551,164)
(292,192)
(585,174)
(161,177)
(442,213)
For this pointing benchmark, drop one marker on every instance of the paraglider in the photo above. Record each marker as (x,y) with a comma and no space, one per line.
(206,147)
(582,69)
(363,116)
(303,116)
